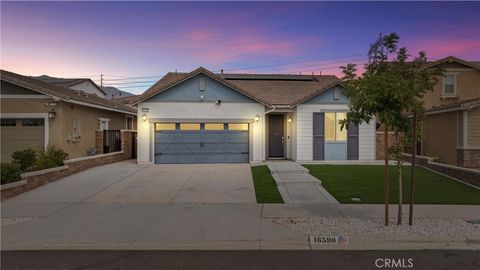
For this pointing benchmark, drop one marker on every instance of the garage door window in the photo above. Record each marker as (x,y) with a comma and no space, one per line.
(189,126)
(214,126)
(164,126)
(9,122)
(32,122)
(239,127)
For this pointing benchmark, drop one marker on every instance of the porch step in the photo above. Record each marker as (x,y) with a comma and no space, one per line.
(286,167)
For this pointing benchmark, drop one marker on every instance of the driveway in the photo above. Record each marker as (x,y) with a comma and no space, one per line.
(127,182)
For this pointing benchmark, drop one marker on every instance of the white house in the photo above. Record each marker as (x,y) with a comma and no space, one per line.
(202,117)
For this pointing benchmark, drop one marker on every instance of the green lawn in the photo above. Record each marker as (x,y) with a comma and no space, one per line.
(265,188)
(367,183)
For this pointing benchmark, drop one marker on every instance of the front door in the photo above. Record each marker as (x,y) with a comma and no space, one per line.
(276,136)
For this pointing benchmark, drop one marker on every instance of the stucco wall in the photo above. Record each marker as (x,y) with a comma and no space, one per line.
(473,128)
(468,87)
(60,128)
(176,111)
(88,87)
(439,137)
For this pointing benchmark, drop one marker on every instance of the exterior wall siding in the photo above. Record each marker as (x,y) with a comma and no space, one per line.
(190,90)
(304,132)
(326,97)
(473,128)
(179,111)
(443,146)
(88,87)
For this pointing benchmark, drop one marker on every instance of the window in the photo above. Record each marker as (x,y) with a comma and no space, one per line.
(129,124)
(33,122)
(103,122)
(189,126)
(9,123)
(240,127)
(449,82)
(214,126)
(164,126)
(333,131)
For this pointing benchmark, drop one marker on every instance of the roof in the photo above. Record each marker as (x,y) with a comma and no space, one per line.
(455,106)
(68,82)
(268,89)
(449,59)
(63,93)
(126,100)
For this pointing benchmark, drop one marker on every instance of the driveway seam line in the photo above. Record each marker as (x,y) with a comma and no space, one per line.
(184,184)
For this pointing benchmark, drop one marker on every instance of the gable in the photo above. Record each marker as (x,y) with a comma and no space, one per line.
(87,87)
(327,97)
(189,90)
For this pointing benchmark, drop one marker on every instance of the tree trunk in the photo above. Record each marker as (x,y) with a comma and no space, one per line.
(412,174)
(400,187)
(387,199)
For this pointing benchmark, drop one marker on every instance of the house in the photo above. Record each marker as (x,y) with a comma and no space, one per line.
(115,93)
(203,117)
(451,131)
(36,114)
(80,84)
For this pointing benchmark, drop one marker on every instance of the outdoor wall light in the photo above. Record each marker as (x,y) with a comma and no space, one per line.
(51,114)
(257,118)
(144,117)
(290,119)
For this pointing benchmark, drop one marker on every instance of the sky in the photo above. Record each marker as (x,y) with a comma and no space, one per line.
(148,39)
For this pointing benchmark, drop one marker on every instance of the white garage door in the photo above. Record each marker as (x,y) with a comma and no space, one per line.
(19,134)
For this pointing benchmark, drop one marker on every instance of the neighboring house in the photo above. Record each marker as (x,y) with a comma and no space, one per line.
(37,114)
(202,117)
(115,93)
(451,131)
(81,84)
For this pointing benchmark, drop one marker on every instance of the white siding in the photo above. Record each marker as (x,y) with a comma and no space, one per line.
(200,110)
(366,141)
(89,88)
(304,132)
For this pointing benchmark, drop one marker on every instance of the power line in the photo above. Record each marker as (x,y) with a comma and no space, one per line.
(123,83)
(133,78)
(293,63)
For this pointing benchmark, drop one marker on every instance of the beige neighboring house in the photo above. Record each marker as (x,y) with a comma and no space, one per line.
(452,128)
(80,84)
(36,114)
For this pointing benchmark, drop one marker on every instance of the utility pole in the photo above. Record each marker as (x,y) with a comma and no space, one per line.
(101,80)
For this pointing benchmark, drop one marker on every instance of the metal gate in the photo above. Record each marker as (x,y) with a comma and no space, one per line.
(201,146)
(111,141)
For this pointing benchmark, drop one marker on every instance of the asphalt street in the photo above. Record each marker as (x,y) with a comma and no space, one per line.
(232,260)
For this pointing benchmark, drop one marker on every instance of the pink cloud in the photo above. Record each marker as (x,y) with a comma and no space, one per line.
(439,48)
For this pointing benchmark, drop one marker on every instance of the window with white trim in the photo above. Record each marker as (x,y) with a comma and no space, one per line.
(449,85)
(103,123)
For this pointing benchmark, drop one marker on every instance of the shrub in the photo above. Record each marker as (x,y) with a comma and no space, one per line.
(10,172)
(26,159)
(53,157)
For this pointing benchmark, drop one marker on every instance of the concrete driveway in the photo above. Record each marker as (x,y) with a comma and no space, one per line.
(127,182)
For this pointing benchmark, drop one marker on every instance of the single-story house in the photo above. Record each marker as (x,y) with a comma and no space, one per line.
(37,114)
(203,117)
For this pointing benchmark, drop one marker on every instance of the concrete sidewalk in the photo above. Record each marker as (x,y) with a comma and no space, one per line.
(296,185)
(199,226)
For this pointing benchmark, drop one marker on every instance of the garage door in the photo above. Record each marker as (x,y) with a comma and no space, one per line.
(201,143)
(19,134)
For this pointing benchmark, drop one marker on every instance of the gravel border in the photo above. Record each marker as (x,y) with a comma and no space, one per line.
(375,227)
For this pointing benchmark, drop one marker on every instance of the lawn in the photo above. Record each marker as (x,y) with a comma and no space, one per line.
(367,183)
(265,188)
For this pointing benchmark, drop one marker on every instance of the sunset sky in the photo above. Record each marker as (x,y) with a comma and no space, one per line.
(148,39)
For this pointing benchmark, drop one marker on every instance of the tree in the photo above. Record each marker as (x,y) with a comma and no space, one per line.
(388,90)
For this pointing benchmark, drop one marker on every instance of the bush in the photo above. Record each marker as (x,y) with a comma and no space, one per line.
(53,157)
(26,159)
(10,172)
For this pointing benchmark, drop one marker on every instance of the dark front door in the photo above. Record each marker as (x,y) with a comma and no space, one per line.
(276,137)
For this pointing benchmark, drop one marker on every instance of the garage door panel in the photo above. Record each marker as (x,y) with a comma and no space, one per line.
(203,146)
(20,137)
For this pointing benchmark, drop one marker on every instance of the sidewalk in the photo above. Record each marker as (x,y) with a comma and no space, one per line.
(208,226)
